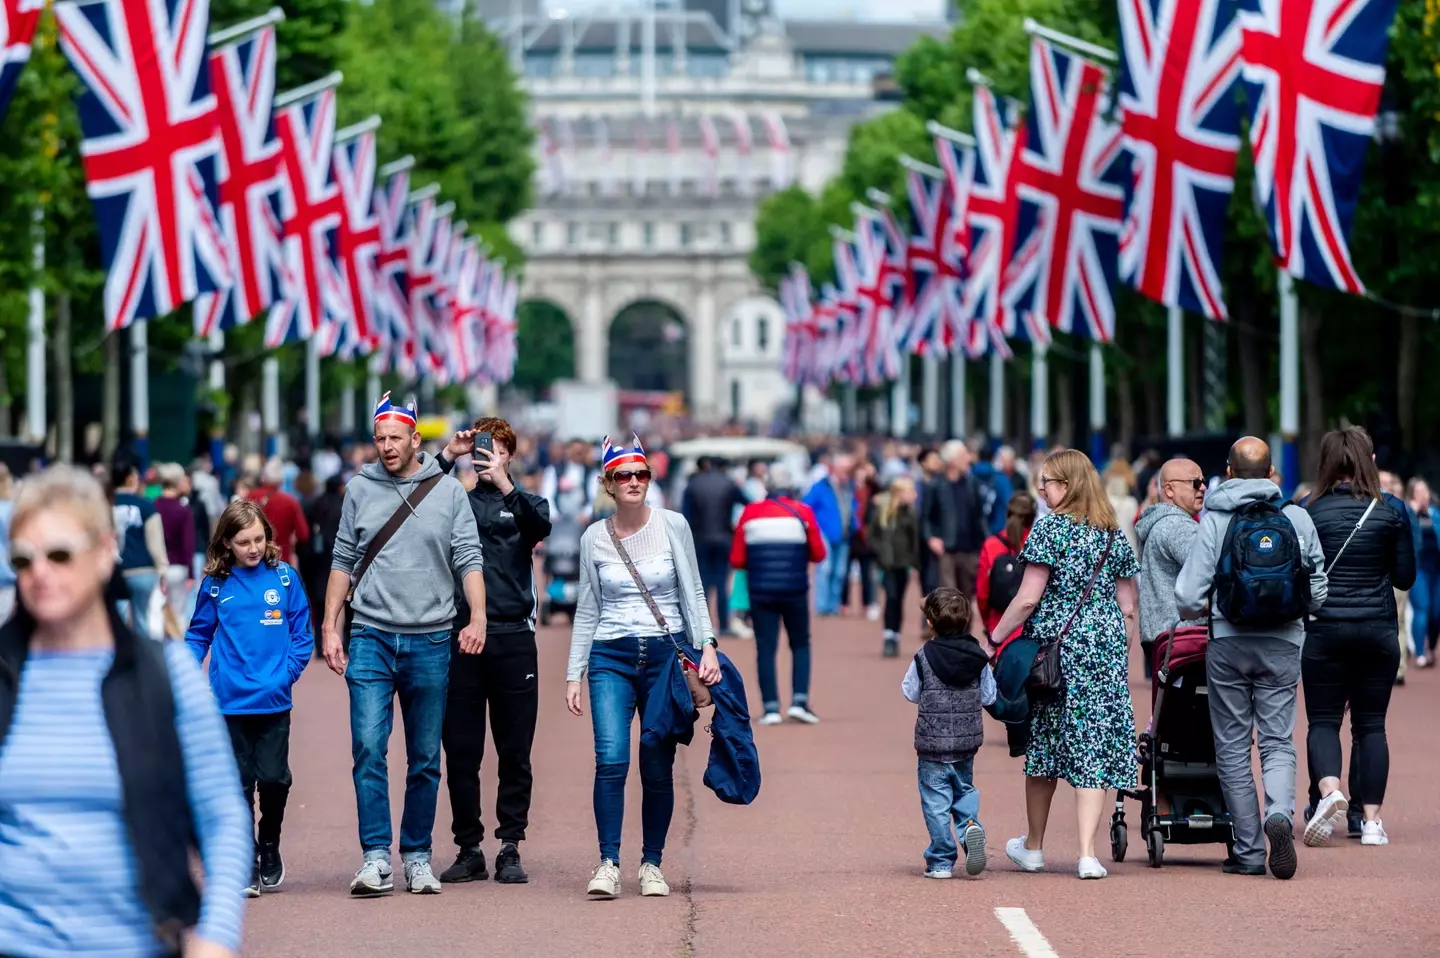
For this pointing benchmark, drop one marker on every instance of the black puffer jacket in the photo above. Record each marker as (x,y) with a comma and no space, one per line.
(1378,560)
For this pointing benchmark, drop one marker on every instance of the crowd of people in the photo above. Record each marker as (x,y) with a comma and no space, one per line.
(411,573)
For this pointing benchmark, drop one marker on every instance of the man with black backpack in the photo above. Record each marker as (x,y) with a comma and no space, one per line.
(1258,567)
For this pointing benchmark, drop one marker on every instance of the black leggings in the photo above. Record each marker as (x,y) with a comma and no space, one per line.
(896,582)
(1350,664)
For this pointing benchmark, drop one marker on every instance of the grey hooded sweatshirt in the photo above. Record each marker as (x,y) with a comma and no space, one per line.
(1197,578)
(1167,533)
(410,588)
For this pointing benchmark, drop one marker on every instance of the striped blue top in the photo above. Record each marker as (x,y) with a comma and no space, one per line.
(68,880)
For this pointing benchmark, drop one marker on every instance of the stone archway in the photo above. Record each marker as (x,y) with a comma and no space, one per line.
(649,348)
(545,348)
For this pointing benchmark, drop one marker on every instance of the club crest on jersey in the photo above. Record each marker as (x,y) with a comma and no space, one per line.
(272,597)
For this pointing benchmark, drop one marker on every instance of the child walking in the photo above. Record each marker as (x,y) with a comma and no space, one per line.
(253,618)
(894,532)
(951,681)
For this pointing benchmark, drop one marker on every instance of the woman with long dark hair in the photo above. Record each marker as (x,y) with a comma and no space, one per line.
(994,597)
(1351,650)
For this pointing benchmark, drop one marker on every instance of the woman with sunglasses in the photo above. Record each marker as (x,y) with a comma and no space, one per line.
(641,600)
(114,763)
(1078,589)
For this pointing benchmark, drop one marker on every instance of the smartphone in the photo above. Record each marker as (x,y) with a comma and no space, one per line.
(484,441)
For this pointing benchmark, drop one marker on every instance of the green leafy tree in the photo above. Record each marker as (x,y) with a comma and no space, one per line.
(546,347)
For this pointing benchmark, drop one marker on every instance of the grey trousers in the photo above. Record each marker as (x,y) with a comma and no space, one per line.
(1253,682)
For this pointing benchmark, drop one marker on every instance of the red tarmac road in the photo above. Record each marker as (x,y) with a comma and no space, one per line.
(828,859)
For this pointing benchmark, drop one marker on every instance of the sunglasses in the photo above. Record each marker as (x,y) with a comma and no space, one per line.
(1196,484)
(623,476)
(61,555)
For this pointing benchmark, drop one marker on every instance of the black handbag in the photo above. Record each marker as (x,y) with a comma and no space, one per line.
(1047,680)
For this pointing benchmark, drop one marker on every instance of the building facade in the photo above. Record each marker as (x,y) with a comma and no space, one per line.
(661,131)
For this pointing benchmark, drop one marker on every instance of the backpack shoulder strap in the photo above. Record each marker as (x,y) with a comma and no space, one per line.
(388,530)
(283,571)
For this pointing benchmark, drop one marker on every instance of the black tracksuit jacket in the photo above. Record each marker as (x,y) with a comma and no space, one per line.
(510,528)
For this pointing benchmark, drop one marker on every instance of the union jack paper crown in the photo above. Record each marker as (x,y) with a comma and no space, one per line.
(385,410)
(612,457)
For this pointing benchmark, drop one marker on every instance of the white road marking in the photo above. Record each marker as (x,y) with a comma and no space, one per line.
(1032,943)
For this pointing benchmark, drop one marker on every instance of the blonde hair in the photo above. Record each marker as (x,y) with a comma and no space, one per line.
(891,507)
(1085,499)
(68,490)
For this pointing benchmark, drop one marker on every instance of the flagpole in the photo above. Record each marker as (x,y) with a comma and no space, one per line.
(1175,372)
(1097,405)
(140,391)
(217,386)
(900,401)
(1039,396)
(240,30)
(930,395)
(997,398)
(372,382)
(1075,43)
(312,387)
(957,396)
(935,128)
(289,97)
(1289,384)
(35,366)
(910,163)
(270,404)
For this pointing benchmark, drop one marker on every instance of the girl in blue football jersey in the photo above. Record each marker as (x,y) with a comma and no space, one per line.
(253,619)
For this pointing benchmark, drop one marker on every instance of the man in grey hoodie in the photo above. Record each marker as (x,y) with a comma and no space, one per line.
(1253,674)
(1167,532)
(403,607)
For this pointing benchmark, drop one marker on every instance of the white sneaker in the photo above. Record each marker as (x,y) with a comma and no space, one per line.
(1373,833)
(1028,860)
(1091,868)
(940,873)
(1330,812)
(420,880)
(771,718)
(739,629)
(373,878)
(606,881)
(652,881)
(873,613)
(802,713)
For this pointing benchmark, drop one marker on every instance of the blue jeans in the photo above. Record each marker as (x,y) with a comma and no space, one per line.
(947,795)
(1424,608)
(767,616)
(714,559)
(830,578)
(622,674)
(416,667)
(142,584)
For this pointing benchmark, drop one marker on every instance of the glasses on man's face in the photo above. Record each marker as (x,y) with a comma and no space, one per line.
(624,476)
(1195,483)
(23,559)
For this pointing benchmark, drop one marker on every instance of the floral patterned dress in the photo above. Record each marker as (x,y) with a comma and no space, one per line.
(1088,738)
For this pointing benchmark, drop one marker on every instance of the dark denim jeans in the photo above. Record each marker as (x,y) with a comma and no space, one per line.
(714,559)
(416,667)
(767,615)
(622,674)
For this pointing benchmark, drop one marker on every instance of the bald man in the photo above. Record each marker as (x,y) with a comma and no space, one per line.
(1167,532)
(1252,673)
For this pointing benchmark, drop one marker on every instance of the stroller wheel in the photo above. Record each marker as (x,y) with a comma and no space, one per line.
(1119,841)
(1155,845)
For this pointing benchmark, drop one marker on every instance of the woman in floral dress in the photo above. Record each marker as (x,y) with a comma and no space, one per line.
(1088,736)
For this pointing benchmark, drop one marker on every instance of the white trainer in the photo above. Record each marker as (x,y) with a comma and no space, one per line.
(771,718)
(606,881)
(420,880)
(1330,812)
(373,878)
(1373,833)
(940,873)
(872,614)
(652,882)
(1027,859)
(802,713)
(1091,868)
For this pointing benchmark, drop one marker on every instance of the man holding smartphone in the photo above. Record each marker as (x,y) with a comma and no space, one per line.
(501,680)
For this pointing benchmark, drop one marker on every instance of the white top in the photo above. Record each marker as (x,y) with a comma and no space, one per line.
(623,610)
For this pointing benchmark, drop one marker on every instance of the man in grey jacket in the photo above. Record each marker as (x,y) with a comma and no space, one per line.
(1253,674)
(403,607)
(1167,532)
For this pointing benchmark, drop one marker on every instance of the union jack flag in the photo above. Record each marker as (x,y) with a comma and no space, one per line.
(1064,262)
(430,286)
(958,161)
(252,176)
(798,353)
(850,344)
(875,299)
(359,236)
(421,283)
(1313,73)
(150,145)
(992,214)
(312,210)
(1182,129)
(467,326)
(502,330)
(392,280)
(18,20)
(934,273)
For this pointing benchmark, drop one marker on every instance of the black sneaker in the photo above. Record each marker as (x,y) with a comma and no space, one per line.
(507,866)
(892,647)
(252,890)
(1354,818)
(1234,867)
(272,866)
(469,866)
(1282,846)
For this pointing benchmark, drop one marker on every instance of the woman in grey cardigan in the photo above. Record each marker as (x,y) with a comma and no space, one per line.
(640,598)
